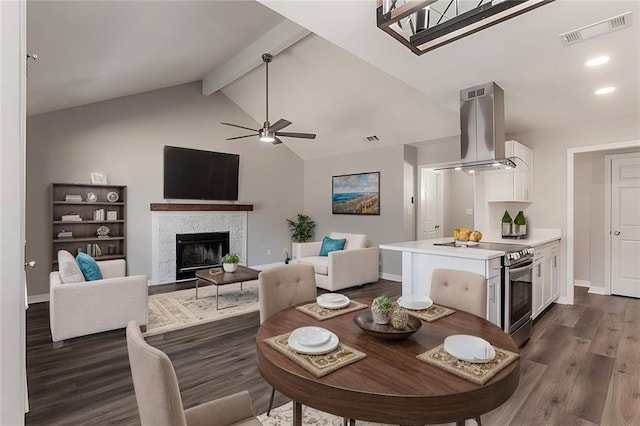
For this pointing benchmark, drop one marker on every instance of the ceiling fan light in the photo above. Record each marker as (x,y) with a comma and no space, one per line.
(265,136)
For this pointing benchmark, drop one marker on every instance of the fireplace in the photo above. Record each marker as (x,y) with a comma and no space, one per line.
(199,251)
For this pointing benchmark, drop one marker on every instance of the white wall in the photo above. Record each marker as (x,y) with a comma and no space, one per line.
(549,209)
(582,219)
(460,193)
(386,228)
(125,138)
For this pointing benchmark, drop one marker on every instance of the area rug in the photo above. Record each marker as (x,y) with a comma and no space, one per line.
(180,309)
(283,416)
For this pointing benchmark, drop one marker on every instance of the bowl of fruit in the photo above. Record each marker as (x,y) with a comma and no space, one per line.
(467,236)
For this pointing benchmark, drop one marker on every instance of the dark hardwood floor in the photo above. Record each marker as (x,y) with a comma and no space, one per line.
(581,367)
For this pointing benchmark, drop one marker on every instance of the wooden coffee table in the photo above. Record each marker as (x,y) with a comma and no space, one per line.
(241,275)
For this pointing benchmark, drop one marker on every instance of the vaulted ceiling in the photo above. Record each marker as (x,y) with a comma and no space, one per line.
(347,80)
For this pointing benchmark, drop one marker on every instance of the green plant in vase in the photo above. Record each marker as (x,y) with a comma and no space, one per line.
(301,228)
(506,223)
(230,262)
(381,309)
(520,224)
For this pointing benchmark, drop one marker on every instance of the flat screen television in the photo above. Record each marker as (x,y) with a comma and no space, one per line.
(193,174)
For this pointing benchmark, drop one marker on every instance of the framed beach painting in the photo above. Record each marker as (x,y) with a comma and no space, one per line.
(358,193)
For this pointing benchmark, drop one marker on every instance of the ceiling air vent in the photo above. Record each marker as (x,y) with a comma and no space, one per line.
(597,29)
(372,138)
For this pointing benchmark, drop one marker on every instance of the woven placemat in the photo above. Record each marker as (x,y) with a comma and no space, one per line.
(320,313)
(318,365)
(478,373)
(432,313)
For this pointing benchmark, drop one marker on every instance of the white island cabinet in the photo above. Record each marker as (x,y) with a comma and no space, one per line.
(420,258)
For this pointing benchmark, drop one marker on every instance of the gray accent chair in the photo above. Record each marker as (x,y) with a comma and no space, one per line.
(158,394)
(282,287)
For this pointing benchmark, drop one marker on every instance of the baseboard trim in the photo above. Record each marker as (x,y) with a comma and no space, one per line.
(266,266)
(563,300)
(391,277)
(598,290)
(582,283)
(38,298)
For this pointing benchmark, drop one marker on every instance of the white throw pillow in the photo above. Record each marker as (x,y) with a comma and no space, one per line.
(69,270)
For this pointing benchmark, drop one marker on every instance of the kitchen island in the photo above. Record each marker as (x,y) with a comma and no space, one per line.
(420,258)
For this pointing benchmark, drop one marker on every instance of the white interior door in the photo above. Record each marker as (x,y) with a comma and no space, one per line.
(12,148)
(625,225)
(431,205)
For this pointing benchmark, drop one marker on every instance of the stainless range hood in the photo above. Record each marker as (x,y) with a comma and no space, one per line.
(481,129)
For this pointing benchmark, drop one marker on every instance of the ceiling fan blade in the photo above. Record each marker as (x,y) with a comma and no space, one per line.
(280,124)
(297,135)
(240,127)
(276,140)
(240,137)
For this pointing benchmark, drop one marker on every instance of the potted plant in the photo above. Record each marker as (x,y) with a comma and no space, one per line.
(381,309)
(302,228)
(230,262)
(301,231)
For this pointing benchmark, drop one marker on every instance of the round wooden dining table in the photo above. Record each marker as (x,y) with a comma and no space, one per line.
(390,385)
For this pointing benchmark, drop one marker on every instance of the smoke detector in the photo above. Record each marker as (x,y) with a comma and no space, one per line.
(597,29)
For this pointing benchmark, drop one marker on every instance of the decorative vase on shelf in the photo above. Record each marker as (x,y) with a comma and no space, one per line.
(381,310)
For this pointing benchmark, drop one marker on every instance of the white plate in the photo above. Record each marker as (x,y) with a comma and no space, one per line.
(315,350)
(333,297)
(310,336)
(415,302)
(332,305)
(469,348)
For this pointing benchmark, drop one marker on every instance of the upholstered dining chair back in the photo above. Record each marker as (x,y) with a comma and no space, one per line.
(154,381)
(285,286)
(461,290)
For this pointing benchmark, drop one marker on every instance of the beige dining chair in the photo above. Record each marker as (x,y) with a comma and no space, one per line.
(282,287)
(461,290)
(158,394)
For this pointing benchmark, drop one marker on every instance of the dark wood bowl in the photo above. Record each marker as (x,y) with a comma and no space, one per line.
(364,320)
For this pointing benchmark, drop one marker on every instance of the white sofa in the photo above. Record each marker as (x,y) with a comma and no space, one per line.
(78,309)
(357,264)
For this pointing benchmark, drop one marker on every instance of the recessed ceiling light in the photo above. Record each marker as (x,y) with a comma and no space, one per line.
(605,90)
(598,60)
(472,171)
(458,169)
(508,168)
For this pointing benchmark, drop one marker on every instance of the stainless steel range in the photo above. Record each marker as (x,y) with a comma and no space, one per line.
(517,286)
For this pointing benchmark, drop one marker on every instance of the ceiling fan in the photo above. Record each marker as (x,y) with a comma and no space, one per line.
(270,132)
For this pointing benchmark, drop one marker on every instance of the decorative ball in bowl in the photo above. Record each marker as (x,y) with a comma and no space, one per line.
(364,320)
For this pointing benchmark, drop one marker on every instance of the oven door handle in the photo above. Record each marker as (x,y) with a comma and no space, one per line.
(528,265)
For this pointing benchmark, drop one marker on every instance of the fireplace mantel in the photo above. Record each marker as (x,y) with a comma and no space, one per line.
(173,207)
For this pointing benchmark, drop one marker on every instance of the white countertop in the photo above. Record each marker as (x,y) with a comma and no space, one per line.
(427,247)
(535,237)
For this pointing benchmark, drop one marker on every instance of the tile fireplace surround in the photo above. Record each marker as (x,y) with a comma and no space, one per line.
(166,224)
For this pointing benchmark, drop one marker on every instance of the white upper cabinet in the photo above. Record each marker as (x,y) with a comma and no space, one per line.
(512,185)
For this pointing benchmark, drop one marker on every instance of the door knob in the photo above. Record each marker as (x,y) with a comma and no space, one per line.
(437,226)
(30,264)
(616,232)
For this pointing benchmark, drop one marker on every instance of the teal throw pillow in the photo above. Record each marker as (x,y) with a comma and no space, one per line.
(89,267)
(329,244)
